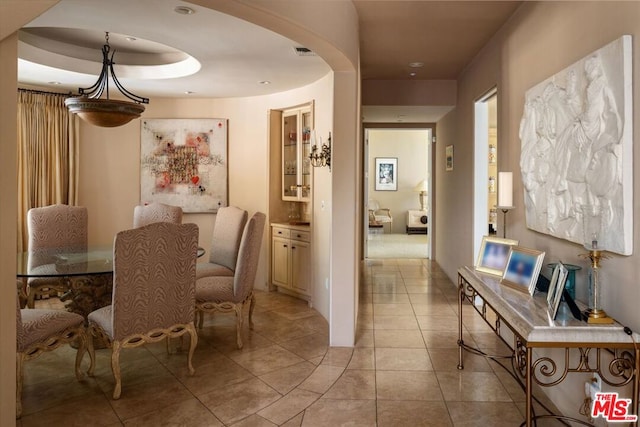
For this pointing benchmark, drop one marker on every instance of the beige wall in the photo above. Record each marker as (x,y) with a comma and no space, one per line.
(8,209)
(410,147)
(541,39)
(409,92)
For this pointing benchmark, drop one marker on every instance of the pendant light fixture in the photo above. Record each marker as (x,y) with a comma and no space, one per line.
(106,112)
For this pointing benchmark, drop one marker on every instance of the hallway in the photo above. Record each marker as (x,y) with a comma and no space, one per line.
(402,371)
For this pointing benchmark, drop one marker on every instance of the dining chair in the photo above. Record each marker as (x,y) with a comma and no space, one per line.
(40,330)
(156,212)
(225,243)
(53,229)
(380,215)
(153,294)
(227,294)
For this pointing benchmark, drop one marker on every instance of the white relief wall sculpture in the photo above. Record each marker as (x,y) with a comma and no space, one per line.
(576,148)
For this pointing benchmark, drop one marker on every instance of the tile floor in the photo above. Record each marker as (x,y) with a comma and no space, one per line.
(402,371)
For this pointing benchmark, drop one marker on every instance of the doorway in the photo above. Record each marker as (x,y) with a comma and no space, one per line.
(486,168)
(396,220)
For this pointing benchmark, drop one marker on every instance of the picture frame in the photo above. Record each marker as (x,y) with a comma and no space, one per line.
(493,255)
(386,174)
(556,286)
(523,268)
(448,152)
(184,162)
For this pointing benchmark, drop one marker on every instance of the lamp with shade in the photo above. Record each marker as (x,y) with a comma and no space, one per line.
(505,196)
(423,189)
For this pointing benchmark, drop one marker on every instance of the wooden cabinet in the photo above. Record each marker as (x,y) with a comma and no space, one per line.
(291,259)
(297,127)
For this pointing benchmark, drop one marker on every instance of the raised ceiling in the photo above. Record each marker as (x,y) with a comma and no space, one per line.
(226,57)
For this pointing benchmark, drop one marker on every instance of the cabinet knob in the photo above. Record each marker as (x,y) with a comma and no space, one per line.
(279,232)
(298,236)
(293,247)
(285,246)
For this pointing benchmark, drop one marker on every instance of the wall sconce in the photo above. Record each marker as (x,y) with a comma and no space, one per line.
(320,157)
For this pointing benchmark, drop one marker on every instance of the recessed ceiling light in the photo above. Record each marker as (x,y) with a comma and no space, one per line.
(416,64)
(130,39)
(188,92)
(184,10)
(412,74)
(265,82)
(54,83)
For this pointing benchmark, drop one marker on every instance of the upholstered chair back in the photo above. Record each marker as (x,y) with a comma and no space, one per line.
(154,278)
(54,228)
(20,338)
(227,233)
(156,212)
(248,257)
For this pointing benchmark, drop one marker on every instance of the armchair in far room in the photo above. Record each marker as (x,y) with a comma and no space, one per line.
(380,215)
(156,212)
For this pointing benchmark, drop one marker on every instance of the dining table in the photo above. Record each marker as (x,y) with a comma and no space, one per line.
(88,274)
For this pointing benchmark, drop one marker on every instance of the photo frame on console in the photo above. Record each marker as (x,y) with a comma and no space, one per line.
(523,268)
(556,286)
(493,255)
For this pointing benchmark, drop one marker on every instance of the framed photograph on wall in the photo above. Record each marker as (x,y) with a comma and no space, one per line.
(493,255)
(556,286)
(523,267)
(448,151)
(386,173)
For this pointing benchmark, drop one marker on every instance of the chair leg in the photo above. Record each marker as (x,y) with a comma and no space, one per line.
(239,321)
(115,367)
(19,380)
(31,298)
(252,305)
(193,342)
(91,350)
(82,348)
(200,315)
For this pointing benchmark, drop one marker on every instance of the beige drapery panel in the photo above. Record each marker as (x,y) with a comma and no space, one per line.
(47,155)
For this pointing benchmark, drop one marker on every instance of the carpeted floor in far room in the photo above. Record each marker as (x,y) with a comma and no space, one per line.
(397,246)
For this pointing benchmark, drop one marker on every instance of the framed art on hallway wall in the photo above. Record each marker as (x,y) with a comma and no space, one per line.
(386,173)
(183,162)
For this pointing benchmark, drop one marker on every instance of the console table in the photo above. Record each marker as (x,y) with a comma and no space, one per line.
(526,317)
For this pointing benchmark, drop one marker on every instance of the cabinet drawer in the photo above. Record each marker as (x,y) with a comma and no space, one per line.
(281,232)
(300,235)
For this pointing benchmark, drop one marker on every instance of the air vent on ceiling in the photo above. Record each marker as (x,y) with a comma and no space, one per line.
(303,51)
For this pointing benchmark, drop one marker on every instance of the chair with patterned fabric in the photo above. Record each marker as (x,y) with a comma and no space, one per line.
(227,232)
(154,273)
(52,230)
(231,293)
(156,212)
(40,330)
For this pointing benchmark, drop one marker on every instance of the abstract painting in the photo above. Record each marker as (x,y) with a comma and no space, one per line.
(183,162)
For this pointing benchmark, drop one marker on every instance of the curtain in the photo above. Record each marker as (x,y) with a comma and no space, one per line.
(47,155)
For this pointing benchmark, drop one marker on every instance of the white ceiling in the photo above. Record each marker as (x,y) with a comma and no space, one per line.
(234,55)
(215,55)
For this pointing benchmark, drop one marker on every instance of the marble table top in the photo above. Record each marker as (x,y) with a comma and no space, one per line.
(529,318)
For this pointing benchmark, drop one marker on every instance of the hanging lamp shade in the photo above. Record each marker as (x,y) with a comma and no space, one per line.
(105,112)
